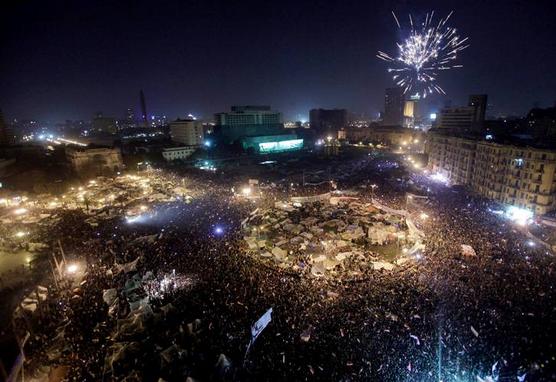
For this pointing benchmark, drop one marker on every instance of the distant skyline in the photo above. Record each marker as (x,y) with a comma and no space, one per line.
(69,60)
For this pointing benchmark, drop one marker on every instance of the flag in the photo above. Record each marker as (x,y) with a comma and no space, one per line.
(261,323)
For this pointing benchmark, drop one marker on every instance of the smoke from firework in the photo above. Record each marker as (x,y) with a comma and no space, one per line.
(430,48)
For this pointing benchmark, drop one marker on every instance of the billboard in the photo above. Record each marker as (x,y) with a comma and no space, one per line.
(277,146)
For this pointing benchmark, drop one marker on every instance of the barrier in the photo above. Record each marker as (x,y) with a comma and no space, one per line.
(310,199)
(381,206)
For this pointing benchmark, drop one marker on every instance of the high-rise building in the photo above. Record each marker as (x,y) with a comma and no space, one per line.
(409,113)
(327,122)
(187,131)
(144,116)
(129,120)
(247,121)
(464,119)
(5,134)
(130,115)
(158,121)
(393,107)
(541,123)
(479,102)
(104,124)
(457,119)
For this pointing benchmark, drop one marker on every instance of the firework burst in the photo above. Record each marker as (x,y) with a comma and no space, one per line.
(431,47)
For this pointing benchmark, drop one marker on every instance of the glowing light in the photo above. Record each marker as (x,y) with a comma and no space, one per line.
(20,234)
(20,211)
(424,216)
(429,49)
(137,219)
(218,230)
(438,177)
(246,191)
(69,141)
(518,215)
(72,268)
(291,144)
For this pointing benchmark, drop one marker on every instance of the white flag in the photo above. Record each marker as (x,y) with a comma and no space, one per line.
(261,323)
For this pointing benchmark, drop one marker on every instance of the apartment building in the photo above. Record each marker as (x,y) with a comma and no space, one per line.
(511,174)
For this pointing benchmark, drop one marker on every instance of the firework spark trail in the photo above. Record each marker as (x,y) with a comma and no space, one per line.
(428,49)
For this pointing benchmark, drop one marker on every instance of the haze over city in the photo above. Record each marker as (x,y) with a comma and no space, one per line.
(277,191)
(69,60)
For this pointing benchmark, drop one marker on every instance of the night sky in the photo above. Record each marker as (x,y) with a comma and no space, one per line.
(67,60)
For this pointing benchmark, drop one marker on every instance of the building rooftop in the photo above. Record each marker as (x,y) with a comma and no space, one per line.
(520,140)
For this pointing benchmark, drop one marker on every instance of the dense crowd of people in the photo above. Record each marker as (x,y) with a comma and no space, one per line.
(443,316)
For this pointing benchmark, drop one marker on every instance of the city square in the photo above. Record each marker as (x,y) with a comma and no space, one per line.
(278,191)
(145,298)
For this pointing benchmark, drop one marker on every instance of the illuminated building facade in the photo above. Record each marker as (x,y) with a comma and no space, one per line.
(175,153)
(464,119)
(247,121)
(520,176)
(273,143)
(187,131)
(94,161)
(451,156)
(409,113)
(390,136)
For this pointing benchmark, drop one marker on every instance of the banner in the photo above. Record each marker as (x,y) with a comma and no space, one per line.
(257,329)
(261,323)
